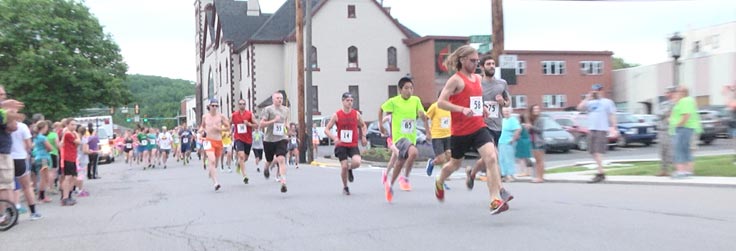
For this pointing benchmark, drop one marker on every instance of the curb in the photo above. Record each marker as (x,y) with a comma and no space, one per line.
(630,182)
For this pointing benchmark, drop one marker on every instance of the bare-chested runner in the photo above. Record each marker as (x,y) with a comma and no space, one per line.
(213,123)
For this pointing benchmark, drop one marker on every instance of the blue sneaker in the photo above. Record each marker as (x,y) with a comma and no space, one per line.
(430,166)
(446,186)
(22,210)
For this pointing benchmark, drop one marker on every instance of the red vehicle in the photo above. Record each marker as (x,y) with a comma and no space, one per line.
(577,125)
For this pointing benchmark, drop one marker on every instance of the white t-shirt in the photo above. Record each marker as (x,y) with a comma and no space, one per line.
(164,141)
(18,149)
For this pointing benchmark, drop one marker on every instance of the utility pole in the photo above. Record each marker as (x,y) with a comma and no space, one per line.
(310,102)
(497,28)
(300,70)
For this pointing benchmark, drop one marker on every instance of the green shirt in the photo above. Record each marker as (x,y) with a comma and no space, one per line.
(684,106)
(51,138)
(404,113)
(141,138)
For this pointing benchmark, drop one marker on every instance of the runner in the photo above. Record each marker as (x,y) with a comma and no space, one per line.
(69,156)
(83,152)
(440,127)
(185,135)
(143,151)
(53,139)
(213,123)
(293,147)
(243,122)
(227,143)
(405,109)
(42,159)
(175,143)
(128,148)
(258,147)
(274,120)
(165,141)
(462,96)
(346,146)
(153,147)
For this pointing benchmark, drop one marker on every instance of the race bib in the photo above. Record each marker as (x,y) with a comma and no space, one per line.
(185,140)
(128,145)
(278,129)
(242,129)
(476,105)
(445,123)
(144,142)
(346,136)
(407,126)
(206,145)
(293,141)
(492,107)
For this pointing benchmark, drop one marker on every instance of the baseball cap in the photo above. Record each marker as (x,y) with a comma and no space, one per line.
(346,95)
(214,101)
(597,87)
(671,88)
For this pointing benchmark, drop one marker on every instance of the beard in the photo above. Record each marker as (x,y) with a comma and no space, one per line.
(490,72)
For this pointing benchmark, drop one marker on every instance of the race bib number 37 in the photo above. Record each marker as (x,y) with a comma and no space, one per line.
(278,129)
(476,105)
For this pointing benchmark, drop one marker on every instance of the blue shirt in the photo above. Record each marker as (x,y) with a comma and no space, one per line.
(39,147)
(598,113)
(508,127)
(5,141)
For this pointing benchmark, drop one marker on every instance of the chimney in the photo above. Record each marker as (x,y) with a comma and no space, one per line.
(387,9)
(254,8)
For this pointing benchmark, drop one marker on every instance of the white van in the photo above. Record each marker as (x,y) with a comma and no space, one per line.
(321,122)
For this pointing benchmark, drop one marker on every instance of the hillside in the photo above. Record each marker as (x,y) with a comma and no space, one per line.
(157,97)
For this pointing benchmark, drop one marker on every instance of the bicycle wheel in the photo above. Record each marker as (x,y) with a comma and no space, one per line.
(8,215)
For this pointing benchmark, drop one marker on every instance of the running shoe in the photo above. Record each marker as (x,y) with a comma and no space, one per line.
(84,194)
(68,202)
(498,206)
(346,191)
(439,190)
(217,187)
(430,166)
(283,188)
(598,178)
(384,176)
(266,173)
(237,168)
(47,199)
(258,169)
(350,175)
(229,170)
(36,216)
(22,210)
(446,186)
(389,192)
(404,184)
(245,180)
(505,195)
(164,166)
(469,179)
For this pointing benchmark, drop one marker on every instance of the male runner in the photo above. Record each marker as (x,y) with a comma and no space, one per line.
(243,122)
(274,120)
(213,123)
(347,121)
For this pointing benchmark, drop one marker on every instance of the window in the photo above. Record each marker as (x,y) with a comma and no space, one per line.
(219,73)
(314,58)
(351,11)
(553,67)
(393,90)
(520,67)
(315,100)
(696,47)
(353,58)
(591,67)
(353,89)
(210,85)
(554,101)
(391,54)
(518,101)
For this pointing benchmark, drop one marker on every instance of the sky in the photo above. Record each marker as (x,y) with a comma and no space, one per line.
(157,37)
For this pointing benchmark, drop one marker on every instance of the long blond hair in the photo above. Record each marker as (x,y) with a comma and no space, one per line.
(452,62)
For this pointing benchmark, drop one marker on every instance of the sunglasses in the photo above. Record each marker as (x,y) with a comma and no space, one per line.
(214,105)
(241,103)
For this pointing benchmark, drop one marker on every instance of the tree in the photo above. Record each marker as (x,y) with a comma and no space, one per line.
(55,57)
(157,97)
(619,63)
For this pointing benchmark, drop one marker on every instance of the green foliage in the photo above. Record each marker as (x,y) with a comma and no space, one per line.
(157,97)
(377,154)
(704,166)
(55,57)
(619,63)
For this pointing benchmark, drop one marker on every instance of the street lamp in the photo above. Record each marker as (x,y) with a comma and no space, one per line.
(675,50)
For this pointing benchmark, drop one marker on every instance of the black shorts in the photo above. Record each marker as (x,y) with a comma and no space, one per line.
(241,146)
(274,149)
(54,161)
(440,146)
(258,153)
(461,144)
(70,168)
(20,167)
(344,152)
(496,135)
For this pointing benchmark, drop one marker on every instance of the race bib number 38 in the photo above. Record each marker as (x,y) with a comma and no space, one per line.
(476,105)
(492,107)
(407,126)
(278,129)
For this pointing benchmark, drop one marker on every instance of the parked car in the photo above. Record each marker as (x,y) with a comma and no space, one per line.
(632,131)
(719,121)
(556,138)
(647,119)
(725,116)
(712,126)
(376,140)
(321,122)
(578,126)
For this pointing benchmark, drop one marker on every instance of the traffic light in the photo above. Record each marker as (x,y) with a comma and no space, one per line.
(127,120)
(112,110)
(136,109)
(145,118)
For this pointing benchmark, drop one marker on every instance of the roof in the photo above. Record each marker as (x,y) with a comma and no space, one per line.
(236,25)
(547,52)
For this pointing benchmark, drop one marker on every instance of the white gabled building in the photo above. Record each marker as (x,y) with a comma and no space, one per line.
(358,46)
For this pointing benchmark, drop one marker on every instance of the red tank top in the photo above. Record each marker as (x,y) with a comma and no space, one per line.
(463,125)
(242,132)
(347,128)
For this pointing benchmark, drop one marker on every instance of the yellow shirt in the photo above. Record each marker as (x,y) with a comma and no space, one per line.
(226,139)
(441,121)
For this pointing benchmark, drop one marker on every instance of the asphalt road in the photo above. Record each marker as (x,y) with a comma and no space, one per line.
(177,209)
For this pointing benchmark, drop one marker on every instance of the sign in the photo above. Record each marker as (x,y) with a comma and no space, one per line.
(479,39)
(507,61)
(124,110)
(137,118)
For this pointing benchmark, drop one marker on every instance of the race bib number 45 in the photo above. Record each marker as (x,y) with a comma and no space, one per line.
(476,105)
(278,129)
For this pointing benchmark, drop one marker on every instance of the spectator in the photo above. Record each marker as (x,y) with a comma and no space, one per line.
(684,121)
